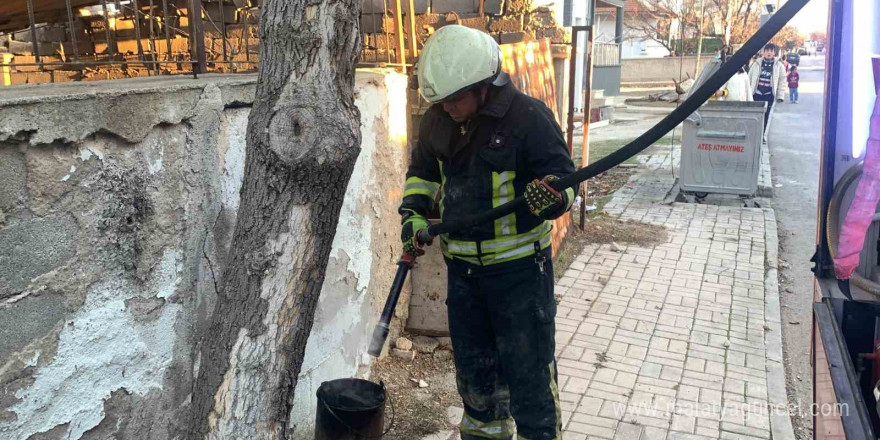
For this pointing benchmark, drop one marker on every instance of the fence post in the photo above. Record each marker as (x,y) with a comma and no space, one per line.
(401,47)
(7,75)
(197,38)
(34,43)
(585,145)
(70,27)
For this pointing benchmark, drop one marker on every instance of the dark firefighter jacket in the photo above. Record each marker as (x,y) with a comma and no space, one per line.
(484,163)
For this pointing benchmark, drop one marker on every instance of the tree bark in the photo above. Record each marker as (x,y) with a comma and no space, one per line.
(303,138)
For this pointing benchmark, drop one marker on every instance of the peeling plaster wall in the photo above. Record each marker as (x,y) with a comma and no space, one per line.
(361,266)
(117,210)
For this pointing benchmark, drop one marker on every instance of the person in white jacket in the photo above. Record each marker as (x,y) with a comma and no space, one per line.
(767,80)
(737,88)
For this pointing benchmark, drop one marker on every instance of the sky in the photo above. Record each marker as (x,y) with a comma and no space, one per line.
(813,17)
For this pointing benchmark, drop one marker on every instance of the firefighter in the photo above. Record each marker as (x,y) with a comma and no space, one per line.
(481,144)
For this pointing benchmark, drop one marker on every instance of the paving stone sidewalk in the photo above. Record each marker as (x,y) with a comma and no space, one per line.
(679,341)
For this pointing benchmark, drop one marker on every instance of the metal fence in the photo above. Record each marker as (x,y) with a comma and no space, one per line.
(388,34)
(606,54)
(156,37)
(133,34)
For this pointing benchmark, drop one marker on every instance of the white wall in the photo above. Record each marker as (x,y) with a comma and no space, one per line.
(337,347)
(115,357)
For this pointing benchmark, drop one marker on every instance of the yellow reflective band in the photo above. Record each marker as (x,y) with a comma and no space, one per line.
(503,192)
(444,246)
(417,186)
(523,251)
(515,257)
(570,193)
(554,390)
(499,250)
(505,243)
(462,249)
(528,247)
(443,183)
(494,429)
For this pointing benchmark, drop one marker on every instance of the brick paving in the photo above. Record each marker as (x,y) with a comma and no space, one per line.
(652,341)
(668,342)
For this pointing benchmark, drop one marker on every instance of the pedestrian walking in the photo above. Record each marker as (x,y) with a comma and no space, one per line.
(767,80)
(793,79)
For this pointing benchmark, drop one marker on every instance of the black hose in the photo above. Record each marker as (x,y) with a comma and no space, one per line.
(677,116)
(380,332)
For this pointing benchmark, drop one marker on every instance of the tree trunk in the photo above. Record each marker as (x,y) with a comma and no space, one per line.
(728,18)
(303,138)
(700,38)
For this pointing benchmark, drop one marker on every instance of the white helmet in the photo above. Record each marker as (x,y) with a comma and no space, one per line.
(457,59)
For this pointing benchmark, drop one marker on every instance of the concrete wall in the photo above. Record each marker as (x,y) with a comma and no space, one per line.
(118,204)
(607,78)
(648,70)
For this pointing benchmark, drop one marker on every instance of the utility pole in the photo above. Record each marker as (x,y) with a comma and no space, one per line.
(700,38)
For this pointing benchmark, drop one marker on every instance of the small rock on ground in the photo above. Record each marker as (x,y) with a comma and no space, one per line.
(442,355)
(403,344)
(425,344)
(445,342)
(454,414)
(406,355)
(442,435)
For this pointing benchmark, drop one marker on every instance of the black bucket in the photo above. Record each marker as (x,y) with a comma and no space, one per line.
(350,409)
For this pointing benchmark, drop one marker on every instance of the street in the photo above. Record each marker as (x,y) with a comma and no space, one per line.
(795,141)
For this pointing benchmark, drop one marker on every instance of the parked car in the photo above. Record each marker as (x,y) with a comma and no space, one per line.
(793,59)
(802,51)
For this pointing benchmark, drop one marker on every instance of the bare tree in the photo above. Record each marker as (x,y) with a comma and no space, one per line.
(673,22)
(745,22)
(303,138)
(732,16)
(663,21)
(788,38)
(651,19)
(818,36)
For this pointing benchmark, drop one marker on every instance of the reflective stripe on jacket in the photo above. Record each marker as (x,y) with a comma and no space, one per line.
(485,163)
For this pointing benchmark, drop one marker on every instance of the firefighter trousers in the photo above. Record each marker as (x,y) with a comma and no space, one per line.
(502,325)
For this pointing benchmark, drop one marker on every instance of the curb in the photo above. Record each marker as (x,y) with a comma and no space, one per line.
(780,421)
(641,109)
(765,175)
(442,435)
